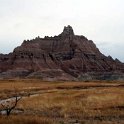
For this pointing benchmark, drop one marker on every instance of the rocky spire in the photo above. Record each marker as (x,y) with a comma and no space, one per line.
(67,31)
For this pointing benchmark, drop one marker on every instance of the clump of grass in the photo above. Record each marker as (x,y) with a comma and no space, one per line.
(25,120)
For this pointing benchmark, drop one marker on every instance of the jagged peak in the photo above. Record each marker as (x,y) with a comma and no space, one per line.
(67,31)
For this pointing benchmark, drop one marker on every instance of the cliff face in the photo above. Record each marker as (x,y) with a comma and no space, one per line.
(63,57)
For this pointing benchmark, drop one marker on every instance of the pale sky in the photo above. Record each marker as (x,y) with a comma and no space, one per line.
(99,20)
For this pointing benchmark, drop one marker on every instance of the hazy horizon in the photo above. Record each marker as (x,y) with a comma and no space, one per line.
(100,21)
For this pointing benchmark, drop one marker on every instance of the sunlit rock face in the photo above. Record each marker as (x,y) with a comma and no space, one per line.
(63,57)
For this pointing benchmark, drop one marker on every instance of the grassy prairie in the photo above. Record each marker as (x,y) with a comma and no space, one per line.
(65,102)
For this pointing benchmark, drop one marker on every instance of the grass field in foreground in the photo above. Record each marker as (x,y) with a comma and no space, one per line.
(65,102)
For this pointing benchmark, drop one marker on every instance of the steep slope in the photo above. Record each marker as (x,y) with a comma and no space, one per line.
(63,57)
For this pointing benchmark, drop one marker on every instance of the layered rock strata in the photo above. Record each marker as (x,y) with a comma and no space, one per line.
(63,57)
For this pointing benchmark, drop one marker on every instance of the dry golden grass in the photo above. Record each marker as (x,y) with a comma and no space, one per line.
(60,102)
(25,120)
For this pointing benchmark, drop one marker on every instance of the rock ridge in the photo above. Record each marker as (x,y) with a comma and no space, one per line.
(69,55)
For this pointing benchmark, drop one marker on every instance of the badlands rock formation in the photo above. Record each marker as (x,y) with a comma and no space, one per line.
(63,57)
